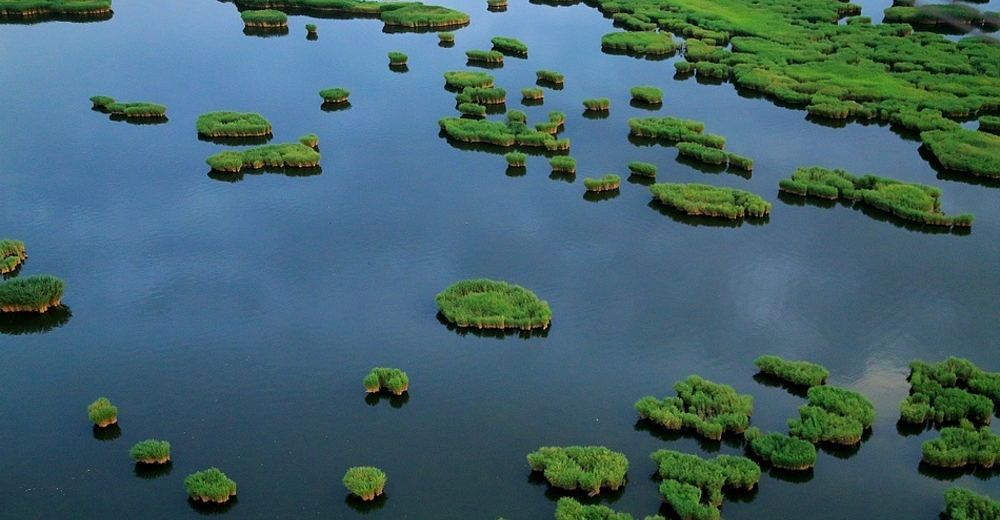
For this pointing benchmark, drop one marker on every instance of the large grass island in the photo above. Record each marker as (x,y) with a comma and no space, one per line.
(490,304)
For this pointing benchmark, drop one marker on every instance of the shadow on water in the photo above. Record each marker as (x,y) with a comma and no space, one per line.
(395,401)
(562,176)
(701,220)
(908,429)
(793,199)
(703,167)
(601,196)
(534,151)
(399,29)
(532,102)
(536,478)
(490,65)
(644,142)
(773,382)
(841,451)
(399,69)
(18,323)
(311,36)
(365,506)
(791,475)
(952,175)
(596,114)
(493,333)
(556,3)
(638,55)
(950,474)
(494,109)
(13,274)
(265,32)
(873,213)
(513,54)
(138,121)
(55,17)
(287,172)
(212,508)
(335,107)
(107,433)
(645,105)
(496,8)
(641,180)
(446,45)
(666,435)
(152,471)
(516,171)
(551,85)
(237,141)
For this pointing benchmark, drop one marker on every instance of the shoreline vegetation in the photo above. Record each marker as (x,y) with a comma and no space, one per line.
(37,293)
(365,482)
(702,199)
(226,123)
(12,255)
(210,485)
(401,14)
(108,105)
(909,201)
(588,468)
(391,379)
(42,8)
(288,155)
(708,408)
(490,304)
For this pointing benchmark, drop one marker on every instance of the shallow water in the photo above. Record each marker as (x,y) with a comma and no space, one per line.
(237,319)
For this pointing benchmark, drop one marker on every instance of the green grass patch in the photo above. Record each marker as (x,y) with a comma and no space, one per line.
(517,116)
(484,56)
(334,95)
(417,15)
(962,504)
(226,123)
(557,117)
(365,482)
(516,159)
(796,372)
(647,94)
(290,155)
(693,486)
(397,58)
(675,129)
(12,254)
(392,379)
(264,18)
(210,485)
(834,415)
(563,163)
(703,153)
(781,450)
(965,150)
(31,8)
(706,407)
(963,445)
(639,42)
(151,451)
(446,37)
(102,413)
(310,140)
(468,78)
(131,109)
(608,182)
(569,509)
(949,391)
(550,76)
(643,169)
(311,28)
(490,304)
(101,101)
(532,93)
(702,199)
(36,293)
(482,95)
(596,104)
(588,468)
(989,123)
(472,109)
(492,132)
(511,45)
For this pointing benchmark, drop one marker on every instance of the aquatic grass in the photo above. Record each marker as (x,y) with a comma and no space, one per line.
(702,153)
(596,104)
(548,128)
(989,123)
(557,117)
(484,56)
(639,42)
(418,15)
(801,373)
(563,163)
(334,95)
(962,445)
(909,201)
(496,4)
(516,159)
(651,95)
(491,304)
(446,37)
(693,486)
(210,485)
(37,293)
(781,450)
(264,18)
(739,161)
(706,407)
(397,58)
(642,168)
(570,509)
(290,155)
(511,45)
(365,482)
(949,391)
(225,123)
(482,95)
(311,28)
(550,76)
(12,254)
(137,109)
(516,116)
(833,414)
(151,451)
(468,79)
(34,8)
(588,468)
(608,182)
(392,379)
(310,140)
(102,413)
(963,150)
(101,101)
(472,109)
(532,93)
(702,199)
(962,504)
(552,145)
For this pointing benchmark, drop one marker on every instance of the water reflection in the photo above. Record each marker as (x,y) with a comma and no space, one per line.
(773,382)
(446,45)
(496,108)
(701,220)
(236,141)
(841,451)
(18,323)
(13,273)
(311,36)
(910,225)
(601,196)
(516,171)
(493,333)
(793,199)
(532,102)
(265,32)
(950,474)
(395,401)
(335,107)
(641,180)
(638,55)
(556,3)
(827,122)
(107,433)
(791,475)
(908,429)
(952,175)
(399,69)
(496,8)
(563,176)
(152,471)
(365,506)
(552,85)
(703,167)
(596,114)
(645,105)
(212,508)
(607,495)
(732,440)
(511,54)
(399,29)
(287,172)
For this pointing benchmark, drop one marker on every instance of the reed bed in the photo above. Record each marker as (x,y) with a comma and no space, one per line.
(532,93)
(397,58)
(511,45)
(963,150)
(563,164)
(484,56)
(801,373)
(210,485)
(365,482)
(516,116)
(131,109)
(596,104)
(472,109)
(963,445)
(334,95)
(550,76)
(288,155)
(12,254)
(311,28)
(468,79)
(639,42)
(642,168)
(418,15)
(227,123)
(151,451)
(588,468)
(37,293)
(950,391)
(557,117)
(989,123)
(608,182)
(446,37)
(391,379)
(516,159)
(553,145)
(781,450)
(482,95)
(651,95)
(266,18)
(701,199)
(836,415)
(706,407)
(569,509)
(693,486)
(702,153)
(102,413)
(548,128)
(486,303)
(37,8)
(962,504)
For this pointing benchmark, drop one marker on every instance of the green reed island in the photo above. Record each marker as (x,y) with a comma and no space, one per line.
(642,169)
(397,58)
(801,373)
(569,509)
(935,14)
(596,104)
(557,117)
(403,14)
(226,123)
(710,409)
(608,182)
(516,159)
(151,451)
(550,76)
(702,199)
(482,95)
(130,109)
(310,140)
(965,150)
(693,486)
(446,37)
(334,95)
(563,164)
(484,56)
(511,45)
(781,450)
(365,482)
(12,254)
(962,504)
(311,28)
(490,304)
(532,93)
(467,78)
(588,468)
(651,95)
(674,129)
(497,133)
(962,445)
(29,8)
(36,293)
(264,18)
(472,109)
(639,42)
(989,123)
(556,145)
(391,379)
(210,485)
(833,414)
(909,201)
(286,155)
(516,116)
(102,413)
(949,391)
(496,4)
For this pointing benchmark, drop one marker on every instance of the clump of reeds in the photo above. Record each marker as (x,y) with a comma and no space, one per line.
(36,293)
(548,128)
(989,123)
(334,95)
(556,144)
(647,94)
(965,150)
(511,45)
(643,169)
(225,123)
(310,140)
(311,28)
(12,253)
(693,486)
(468,78)
(101,101)
(706,407)
(639,42)
(418,15)
(949,391)
(588,468)
(210,485)
(702,199)
(490,304)
(392,379)
(702,153)
(472,109)
(796,372)
(961,504)
(151,451)
(365,482)
(485,56)
(482,95)
(292,155)
(532,93)
(781,450)
(596,104)
(963,445)
(397,58)
(516,116)
(563,163)
(102,413)
(550,76)
(557,117)
(446,37)
(264,18)
(608,182)
(836,415)
(516,159)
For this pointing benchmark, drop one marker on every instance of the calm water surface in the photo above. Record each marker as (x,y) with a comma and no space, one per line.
(237,319)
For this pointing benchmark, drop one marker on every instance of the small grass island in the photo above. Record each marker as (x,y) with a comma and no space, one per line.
(131,109)
(692,486)
(490,304)
(484,56)
(516,159)
(365,482)
(397,58)
(102,413)
(801,373)
(710,409)
(606,183)
(285,155)
(596,104)
(151,451)
(265,18)
(570,509)
(588,468)
(391,379)
(962,504)
(950,391)
(642,169)
(402,14)
(37,8)
(702,199)
(210,485)
(511,45)
(781,450)
(12,254)
(650,95)
(460,79)
(226,123)
(962,445)
(37,293)
(835,415)
(563,164)
(310,140)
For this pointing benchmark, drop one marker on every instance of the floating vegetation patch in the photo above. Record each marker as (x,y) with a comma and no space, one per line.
(461,79)
(510,45)
(909,201)
(801,373)
(401,14)
(781,450)
(710,409)
(391,379)
(210,485)
(151,451)
(12,254)
(702,199)
(484,56)
(608,182)
(693,486)
(225,123)
(515,159)
(365,482)
(311,28)
(949,14)
(472,109)
(647,94)
(674,129)
(962,504)
(334,95)
(836,415)
(588,468)
(20,323)
(290,155)
(639,42)
(496,133)
(949,391)
(569,509)
(483,96)
(532,93)
(264,18)
(963,445)
(550,76)
(310,140)
(102,413)
(966,150)
(642,169)
(69,10)
(596,104)
(397,58)
(108,105)
(563,164)
(37,293)
(490,304)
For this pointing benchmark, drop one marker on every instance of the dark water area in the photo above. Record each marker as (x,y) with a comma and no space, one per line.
(235,316)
